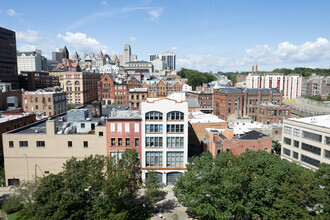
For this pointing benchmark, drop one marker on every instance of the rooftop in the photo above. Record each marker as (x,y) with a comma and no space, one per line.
(11,117)
(251,135)
(138,90)
(200,117)
(193,103)
(319,121)
(250,91)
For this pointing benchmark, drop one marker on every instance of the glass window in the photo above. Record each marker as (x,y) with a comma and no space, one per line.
(287,130)
(120,142)
(154,142)
(119,128)
(137,142)
(296,132)
(327,140)
(295,155)
(85,144)
(175,128)
(11,144)
(326,153)
(101,134)
(69,143)
(312,136)
(296,144)
(175,142)
(127,127)
(154,116)
(113,127)
(174,159)
(287,141)
(136,128)
(311,148)
(82,125)
(23,144)
(41,144)
(154,128)
(310,160)
(127,142)
(175,115)
(286,151)
(154,159)
(113,142)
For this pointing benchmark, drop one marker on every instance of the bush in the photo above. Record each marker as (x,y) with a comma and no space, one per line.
(12,204)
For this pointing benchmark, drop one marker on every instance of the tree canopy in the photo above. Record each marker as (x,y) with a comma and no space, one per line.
(196,78)
(255,185)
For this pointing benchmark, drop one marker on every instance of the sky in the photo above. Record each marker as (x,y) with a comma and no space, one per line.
(208,35)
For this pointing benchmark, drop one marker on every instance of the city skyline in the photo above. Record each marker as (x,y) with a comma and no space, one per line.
(207,36)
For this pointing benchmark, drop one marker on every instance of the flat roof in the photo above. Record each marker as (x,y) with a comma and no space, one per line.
(6,118)
(200,117)
(320,121)
(125,114)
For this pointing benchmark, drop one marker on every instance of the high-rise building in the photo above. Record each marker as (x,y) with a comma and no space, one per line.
(8,60)
(57,55)
(167,57)
(31,61)
(127,55)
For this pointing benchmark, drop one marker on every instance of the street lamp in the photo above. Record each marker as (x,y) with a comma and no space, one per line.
(27,166)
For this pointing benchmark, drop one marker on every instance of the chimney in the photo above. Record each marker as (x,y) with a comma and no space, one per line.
(252,69)
(256,68)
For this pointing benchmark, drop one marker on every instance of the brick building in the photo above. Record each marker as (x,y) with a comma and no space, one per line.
(136,95)
(32,81)
(243,102)
(204,100)
(123,131)
(225,140)
(162,88)
(270,113)
(44,103)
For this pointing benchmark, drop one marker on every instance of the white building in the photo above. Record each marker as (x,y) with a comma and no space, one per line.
(186,87)
(307,140)
(164,137)
(168,57)
(31,61)
(289,84)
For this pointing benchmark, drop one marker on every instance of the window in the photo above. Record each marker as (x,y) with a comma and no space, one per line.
(101,134)
(127,142)
(296,132)
(82,125)
(154,128)
(310,160)
(11,144)
(296,144)
(120,142)
(295,155)
(175,142)
(113,142)
(41,144)
(23,144)
(175,128)
(154,159)
(266,149)
(69,143)
(327,140)
(287,141)
(116,156)
(287,130)
(174,159)
(326,153)
(85,144)
(137,142)
(311,148)
(154,142)
(312,136)
(286,151)
(154,116)
(127,127)
(119,128)
(175,116)
(113,127)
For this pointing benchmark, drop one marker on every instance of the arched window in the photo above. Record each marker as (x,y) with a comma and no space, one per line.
(68,83)
(77,83)
(154,115)
(175,115)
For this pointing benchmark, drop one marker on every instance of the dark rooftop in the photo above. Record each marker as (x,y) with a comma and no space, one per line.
(251,135)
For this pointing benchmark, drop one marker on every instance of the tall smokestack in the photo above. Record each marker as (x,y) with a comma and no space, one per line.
(256,68)
(252,69)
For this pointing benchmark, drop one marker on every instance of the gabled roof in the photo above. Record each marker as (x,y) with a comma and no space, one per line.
(100,55)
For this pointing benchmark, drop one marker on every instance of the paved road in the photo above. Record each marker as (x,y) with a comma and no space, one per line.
(170,208)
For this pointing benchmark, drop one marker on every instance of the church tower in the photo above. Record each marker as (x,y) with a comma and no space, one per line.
(65,53)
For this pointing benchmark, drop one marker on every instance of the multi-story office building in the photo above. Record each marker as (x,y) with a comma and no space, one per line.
(31,61)
(164,138)
(44,103)
(307,141)
(42,148)
(127,56)
(8,59)
(80,87)
(167,57)
(32,81)
(290,84)
(246,102)
(57,55)
(123,132)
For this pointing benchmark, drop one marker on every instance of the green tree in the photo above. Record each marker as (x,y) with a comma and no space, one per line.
(255,185)
(276,146)
(152,187)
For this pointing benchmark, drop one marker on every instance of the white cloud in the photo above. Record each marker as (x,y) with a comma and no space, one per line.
(29,36)
(175,48)
(104,3)
(285,54)
(12,12)
(132,39)
(81,43)
(155,13)
(27,47)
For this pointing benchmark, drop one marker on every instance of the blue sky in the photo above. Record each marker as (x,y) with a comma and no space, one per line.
(206,35)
